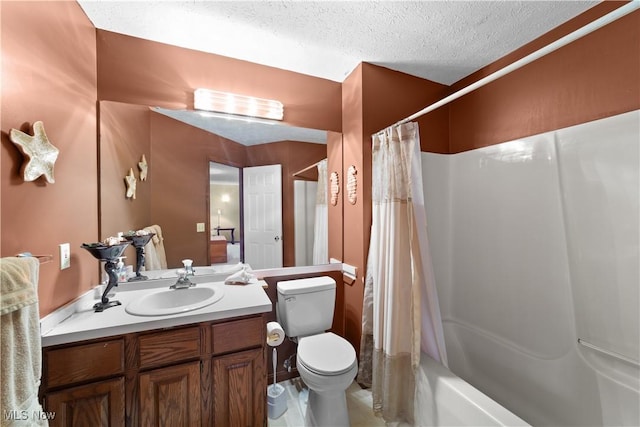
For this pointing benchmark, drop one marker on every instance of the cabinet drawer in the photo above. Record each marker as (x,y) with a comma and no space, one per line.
(165,347)
(237,335)
(84,362)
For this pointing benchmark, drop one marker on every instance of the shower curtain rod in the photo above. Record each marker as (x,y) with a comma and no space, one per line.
(580,32)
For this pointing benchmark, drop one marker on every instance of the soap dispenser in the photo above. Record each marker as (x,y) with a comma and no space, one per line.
(121,270)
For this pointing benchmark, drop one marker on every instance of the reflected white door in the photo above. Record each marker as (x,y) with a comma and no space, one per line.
(262,197)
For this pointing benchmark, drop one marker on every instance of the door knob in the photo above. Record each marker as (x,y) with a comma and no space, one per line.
(277,238)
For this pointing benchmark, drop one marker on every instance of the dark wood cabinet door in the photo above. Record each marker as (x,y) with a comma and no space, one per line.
(171,396)
(239,389)
(93,405)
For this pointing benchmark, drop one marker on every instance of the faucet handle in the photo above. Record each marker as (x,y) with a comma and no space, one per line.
(188,266)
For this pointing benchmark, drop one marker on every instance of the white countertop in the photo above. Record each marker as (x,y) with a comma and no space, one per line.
(77,321)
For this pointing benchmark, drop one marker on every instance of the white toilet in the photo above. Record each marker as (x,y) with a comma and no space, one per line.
(326,362)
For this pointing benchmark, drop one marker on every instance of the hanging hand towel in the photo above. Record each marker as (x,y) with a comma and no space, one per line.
(20,344)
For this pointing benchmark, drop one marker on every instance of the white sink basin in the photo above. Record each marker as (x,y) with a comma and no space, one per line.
(174,301)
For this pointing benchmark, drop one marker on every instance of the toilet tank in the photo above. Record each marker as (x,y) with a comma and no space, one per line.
(305,306)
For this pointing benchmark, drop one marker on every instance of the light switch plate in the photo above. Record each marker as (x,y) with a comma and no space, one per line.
(65,256)
(200,227)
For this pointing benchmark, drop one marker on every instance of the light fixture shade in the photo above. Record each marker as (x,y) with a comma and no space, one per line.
(231,103)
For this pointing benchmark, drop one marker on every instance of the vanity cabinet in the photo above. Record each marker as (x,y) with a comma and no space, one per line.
(206,374)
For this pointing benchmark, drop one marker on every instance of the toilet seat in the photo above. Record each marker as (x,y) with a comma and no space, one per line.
(326,354)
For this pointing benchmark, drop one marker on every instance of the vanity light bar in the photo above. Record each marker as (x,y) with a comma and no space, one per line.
(231,103)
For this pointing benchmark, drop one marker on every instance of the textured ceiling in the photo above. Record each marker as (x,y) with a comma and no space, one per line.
(442,41)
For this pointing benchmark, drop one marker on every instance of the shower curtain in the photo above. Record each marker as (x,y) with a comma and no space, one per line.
(321,225)
(401,315)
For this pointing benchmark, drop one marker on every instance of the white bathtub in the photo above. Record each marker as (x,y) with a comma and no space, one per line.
(443,399)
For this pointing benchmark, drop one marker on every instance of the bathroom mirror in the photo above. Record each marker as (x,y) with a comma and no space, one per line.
(179,147)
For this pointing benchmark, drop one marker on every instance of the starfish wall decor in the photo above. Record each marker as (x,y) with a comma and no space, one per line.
(131,184)
(41,154)
(144,167)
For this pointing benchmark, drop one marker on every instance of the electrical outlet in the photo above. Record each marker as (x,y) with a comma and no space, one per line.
(65,256)
(200,227)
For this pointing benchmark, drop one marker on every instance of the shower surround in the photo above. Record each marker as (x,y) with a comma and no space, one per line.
(535,246)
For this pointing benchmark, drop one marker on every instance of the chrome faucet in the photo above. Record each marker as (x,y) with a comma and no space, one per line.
(183,281)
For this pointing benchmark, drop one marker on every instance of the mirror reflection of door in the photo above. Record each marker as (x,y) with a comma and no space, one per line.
(225,220)
(262,200)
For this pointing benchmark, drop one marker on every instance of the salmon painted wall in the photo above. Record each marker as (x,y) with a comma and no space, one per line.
(138,71)
(49,75)
(390,96)
(594,77)
(336,226)
(353,215)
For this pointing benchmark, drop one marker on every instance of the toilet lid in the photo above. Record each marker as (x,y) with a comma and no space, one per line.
(326,354)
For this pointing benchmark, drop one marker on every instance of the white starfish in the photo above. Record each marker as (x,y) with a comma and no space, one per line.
(142,165)
(41,154)
(131,184)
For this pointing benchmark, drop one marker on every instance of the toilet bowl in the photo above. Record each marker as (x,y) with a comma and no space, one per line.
(327,365)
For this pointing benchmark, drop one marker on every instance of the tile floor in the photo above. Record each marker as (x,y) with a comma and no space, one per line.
(358,402)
